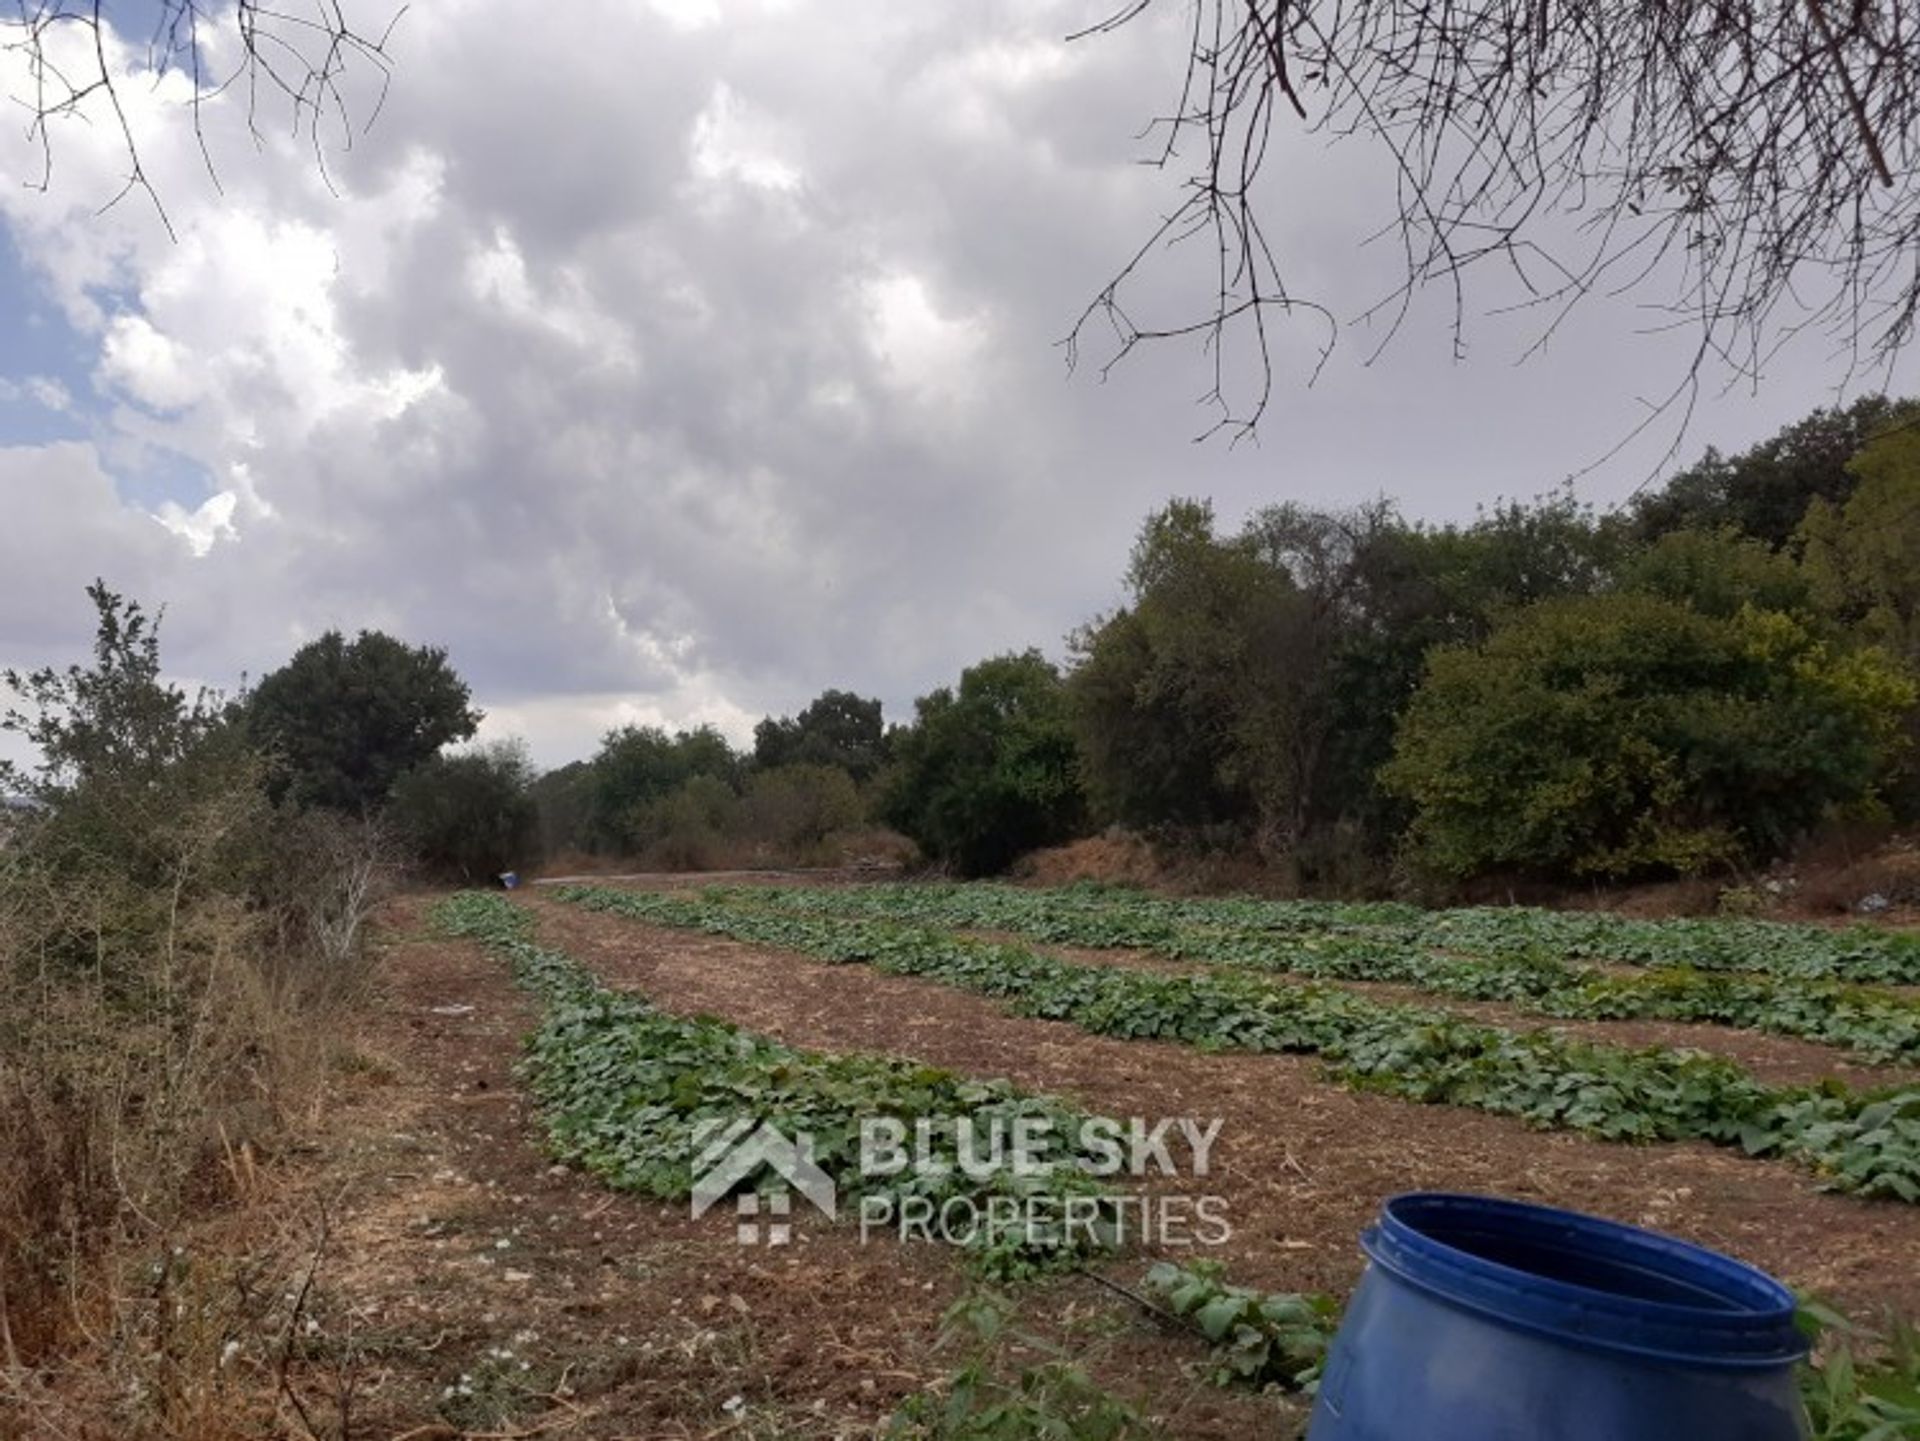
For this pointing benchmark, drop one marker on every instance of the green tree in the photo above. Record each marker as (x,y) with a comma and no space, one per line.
(1719,572)
(838,729)
(563,803)
(1629,734)
(988,771)
(470,816)
(1251,685)
(1150,761)
(1162,689)
(1764,492)
(639,765)
(1864,556)
(147,801)
(346,719)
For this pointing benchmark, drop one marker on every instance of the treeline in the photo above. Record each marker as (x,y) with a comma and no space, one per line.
(803,795)
(1694,681)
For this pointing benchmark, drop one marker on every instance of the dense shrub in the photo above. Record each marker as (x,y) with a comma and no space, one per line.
(639,766)
(988,771)
(346,719)
(1625,734)
(172,950)
(795,810)
(691,828)
(470,816)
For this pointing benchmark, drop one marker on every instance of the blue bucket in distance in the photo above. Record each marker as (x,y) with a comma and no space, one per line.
(1481,1319)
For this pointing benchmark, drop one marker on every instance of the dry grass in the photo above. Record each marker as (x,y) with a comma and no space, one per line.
(126,1134)
(159,1050)
(1124,858)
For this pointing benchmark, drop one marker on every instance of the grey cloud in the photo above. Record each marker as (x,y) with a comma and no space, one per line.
(678,468)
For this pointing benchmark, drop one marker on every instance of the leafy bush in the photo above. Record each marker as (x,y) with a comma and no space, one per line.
(1718,573)
(469,816)
(1259,1339)
(989,771)
(1626,734)
(636,767)
(690,828)
(346,719)
(1855,1391)
(792,811)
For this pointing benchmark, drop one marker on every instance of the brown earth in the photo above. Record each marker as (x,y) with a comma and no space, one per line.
(1778,1060)
(457,1256)
(462,1286)
(1303,1164)
(1822,885)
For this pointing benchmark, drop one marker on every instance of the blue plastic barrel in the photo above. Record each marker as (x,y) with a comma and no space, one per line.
(1487,1320)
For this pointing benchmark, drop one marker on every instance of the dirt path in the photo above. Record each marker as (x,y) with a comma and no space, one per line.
(469,1286)
(1778,1060)
(1303,1164)
(1775,1059)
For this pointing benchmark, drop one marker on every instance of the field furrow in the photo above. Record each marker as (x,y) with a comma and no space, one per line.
(1304,1164)
(1875,1025)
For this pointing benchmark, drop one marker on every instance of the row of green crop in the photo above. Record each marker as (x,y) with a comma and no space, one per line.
(1877,1026)
(1864,1144)
(625,1089)
(1858,954)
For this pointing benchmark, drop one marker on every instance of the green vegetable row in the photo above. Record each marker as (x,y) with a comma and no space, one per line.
(1869,1144)
(625,1089)
(1877,1026)
(1858,954)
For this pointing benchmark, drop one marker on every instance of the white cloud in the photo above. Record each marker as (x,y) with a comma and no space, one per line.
(697,359)
(49,393)
(926,351)
(210,521)
(733,141)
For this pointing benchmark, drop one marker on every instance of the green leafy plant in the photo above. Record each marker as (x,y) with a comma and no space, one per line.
(1868,1144)
(1855,1391)
(1480,955)
(625,1089)
(1259,1339)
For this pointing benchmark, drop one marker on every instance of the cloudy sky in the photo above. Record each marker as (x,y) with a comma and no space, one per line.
(673,361)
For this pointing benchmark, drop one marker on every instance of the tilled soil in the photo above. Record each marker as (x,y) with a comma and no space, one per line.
(1302,1164)
(469,1287)
(1777,1060)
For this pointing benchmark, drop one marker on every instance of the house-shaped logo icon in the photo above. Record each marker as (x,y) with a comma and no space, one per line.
(731,1153)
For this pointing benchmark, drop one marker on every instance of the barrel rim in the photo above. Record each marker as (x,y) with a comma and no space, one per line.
(1747,1335)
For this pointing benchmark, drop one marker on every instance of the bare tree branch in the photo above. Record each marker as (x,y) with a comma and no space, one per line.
(300,66)
(1751,166)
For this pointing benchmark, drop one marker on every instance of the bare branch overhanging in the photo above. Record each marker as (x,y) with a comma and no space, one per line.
(294,64)
(1750,169)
